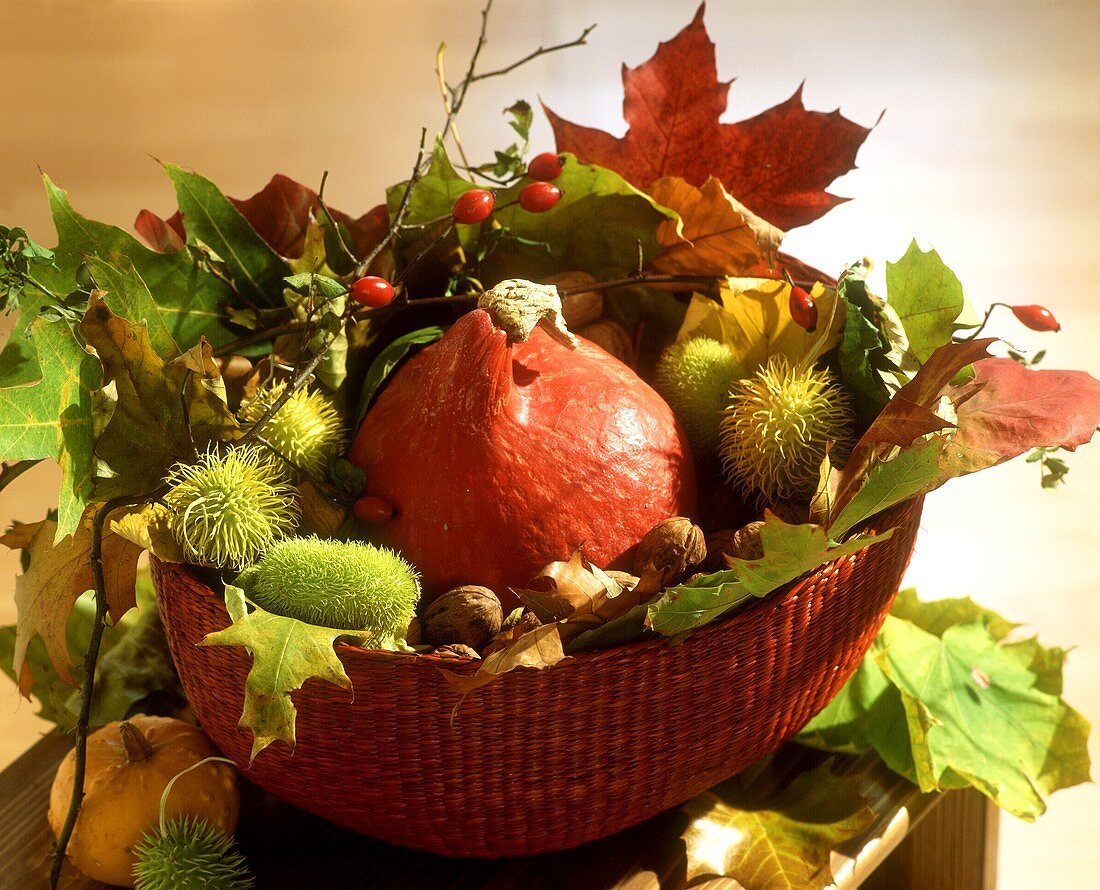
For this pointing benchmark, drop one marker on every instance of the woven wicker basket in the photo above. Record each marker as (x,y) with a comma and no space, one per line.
(544,760)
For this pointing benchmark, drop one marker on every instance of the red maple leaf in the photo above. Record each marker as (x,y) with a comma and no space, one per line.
(777,164)
(279,213)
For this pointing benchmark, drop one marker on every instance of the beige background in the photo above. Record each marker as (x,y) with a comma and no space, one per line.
(989,151)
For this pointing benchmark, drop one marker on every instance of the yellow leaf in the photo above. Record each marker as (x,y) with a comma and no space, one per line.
(713,235)
(754,320)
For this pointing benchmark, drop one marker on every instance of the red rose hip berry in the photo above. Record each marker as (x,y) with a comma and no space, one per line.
(473,206)
(545,167)
(373,510)
(1038,318)
(803,309)
(373,291)
(538,197)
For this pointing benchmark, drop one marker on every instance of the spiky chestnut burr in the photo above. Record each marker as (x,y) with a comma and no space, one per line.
(695,377)
(229,507)
(307,430)
(777,426)
(190,854)
(343,584)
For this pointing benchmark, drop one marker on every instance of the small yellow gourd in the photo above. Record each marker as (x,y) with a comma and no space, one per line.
(128,765)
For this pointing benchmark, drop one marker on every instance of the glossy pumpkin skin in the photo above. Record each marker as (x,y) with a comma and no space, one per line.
(122,797)
(500,458)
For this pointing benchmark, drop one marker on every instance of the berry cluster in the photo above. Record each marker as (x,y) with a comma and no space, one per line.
(473,207)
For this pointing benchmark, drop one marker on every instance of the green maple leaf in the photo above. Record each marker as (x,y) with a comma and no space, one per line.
(929,300)
(54,417)
(789,552)
(285,653)
(774,841)
(948,704)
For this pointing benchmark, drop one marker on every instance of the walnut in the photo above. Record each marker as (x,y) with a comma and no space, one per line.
(669,550)
(611,337)
(582,308)
(469,615)
(742,543)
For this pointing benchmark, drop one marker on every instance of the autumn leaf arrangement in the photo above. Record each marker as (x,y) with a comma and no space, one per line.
(264,387)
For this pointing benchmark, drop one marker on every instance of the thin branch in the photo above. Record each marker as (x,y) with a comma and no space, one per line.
(399,219)
(446,94)
(335,225)
(541,51)
(87,686)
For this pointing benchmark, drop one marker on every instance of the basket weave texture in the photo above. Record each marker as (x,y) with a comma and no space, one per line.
(544,760)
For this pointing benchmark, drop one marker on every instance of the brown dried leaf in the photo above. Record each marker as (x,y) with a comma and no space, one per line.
(539,648)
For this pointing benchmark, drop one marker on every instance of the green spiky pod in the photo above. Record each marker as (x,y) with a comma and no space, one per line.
(777,427)
(306,430)
(349,585)
(190,854)
(229,507)
(694,376)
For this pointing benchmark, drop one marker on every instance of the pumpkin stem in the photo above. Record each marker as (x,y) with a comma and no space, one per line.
(137,746)
(517,307)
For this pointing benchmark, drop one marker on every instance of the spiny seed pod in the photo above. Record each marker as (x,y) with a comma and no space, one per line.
(307,430)
(670,549)
(776,429)
(190,855)
(470,615)
(228,508)
(695,377)
(343,584)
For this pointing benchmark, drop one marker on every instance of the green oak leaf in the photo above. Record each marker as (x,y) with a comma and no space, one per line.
(929,300)
(191,300)
(776,841)
(54,417)
(129,298)
(948,703)
(210,218)
(153,400)
(285,653)
(789,552)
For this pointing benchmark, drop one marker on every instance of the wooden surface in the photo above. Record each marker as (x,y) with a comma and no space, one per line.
(931,842)
(988,152)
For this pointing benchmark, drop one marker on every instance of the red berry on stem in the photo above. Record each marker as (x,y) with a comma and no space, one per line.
(538,197)
(803,309)
(473,206)
(545,167)
(1038,318)
(373,510)
(373,291)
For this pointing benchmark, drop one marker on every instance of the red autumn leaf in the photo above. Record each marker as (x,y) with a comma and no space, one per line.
(280,213)
(1012,409)
(777,164)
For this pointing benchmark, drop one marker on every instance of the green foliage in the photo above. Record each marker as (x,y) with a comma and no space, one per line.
(19,257)
(1053,469)
(285,653)
(745,830)
(388,359)
(54,417)
(947,703)
(929,300)
(190,854)
(210,219)
(509,163)
(789,551)
(345,584)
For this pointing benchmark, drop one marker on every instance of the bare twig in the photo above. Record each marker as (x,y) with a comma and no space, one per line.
(445,94)
(541,51)
(335,225)
(87,686)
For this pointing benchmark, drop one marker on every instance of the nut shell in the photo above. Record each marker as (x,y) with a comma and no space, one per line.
(742,543)
(670,549)
(611,337)
(467,615)
(578,309)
